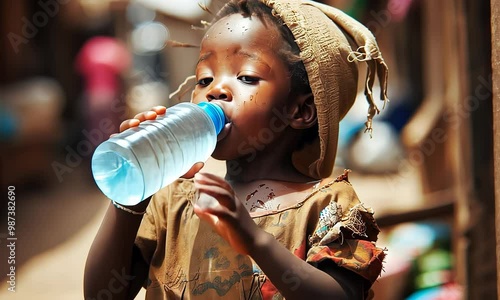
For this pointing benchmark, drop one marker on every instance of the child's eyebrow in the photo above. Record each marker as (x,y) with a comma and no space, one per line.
(240,52)
(249,55)
(203,57)
(252,56)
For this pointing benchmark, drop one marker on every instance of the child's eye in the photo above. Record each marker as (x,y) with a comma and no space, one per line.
(204,81)
(248,79)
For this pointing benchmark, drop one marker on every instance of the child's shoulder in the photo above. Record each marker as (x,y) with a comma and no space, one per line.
(339,185)
(338,193)
(342,178)
(343,212)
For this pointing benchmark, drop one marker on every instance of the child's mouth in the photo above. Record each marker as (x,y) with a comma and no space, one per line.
(224,132)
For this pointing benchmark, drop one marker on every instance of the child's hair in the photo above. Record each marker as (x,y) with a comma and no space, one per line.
(289,51)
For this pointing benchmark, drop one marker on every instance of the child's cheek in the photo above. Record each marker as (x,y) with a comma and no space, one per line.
(195,97)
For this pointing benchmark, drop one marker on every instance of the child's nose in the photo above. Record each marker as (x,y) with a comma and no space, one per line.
(219,92)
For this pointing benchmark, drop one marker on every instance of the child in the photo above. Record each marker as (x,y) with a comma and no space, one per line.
(279,225)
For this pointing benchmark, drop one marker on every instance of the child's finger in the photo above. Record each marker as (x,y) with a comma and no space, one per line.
(160,110)
(216,188)
(220,195)
(194,169)
(206,216)
(143,116)
(212,219)
(214,209)
(211,179)
(216,215)
(129,123)
(146,115)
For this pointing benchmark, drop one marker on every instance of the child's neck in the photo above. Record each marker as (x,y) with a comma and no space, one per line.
(274,162)
(269,181)
(241,171)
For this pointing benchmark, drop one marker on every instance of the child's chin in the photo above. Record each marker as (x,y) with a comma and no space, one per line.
(219,154)
(224,152)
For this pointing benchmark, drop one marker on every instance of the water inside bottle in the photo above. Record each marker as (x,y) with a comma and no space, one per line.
(119,178)
(140,161)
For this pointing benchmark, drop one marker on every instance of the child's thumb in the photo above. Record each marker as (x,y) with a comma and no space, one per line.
(194,169)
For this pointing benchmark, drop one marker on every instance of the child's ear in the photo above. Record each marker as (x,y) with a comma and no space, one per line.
(304,113)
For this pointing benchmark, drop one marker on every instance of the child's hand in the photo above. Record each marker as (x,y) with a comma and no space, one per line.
(229,218)
(143,116)
(152,115)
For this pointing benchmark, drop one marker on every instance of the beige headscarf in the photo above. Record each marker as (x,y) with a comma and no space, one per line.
(321,33)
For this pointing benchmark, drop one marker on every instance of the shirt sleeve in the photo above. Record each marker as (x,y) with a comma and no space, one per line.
(150,229)
(346,234)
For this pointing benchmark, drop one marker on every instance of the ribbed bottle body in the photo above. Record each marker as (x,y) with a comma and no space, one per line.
(136,163)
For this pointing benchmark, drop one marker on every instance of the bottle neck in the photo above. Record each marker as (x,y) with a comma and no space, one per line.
(215,113)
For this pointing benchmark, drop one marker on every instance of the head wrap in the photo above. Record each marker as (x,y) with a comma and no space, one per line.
(322,34)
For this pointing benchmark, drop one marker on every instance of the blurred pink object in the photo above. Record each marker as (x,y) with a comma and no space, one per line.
(399,8)
(100,61)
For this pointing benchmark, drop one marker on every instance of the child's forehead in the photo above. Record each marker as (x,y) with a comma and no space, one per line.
(246,30)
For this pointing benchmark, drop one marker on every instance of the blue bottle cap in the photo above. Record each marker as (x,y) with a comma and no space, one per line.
(215,113)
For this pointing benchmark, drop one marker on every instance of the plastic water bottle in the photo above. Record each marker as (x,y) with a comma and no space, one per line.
(135,164)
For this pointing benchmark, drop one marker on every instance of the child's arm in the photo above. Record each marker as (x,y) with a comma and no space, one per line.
(297,279)
(114,265)
(293,277)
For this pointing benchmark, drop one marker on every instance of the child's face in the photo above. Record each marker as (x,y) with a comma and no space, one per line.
(239,68)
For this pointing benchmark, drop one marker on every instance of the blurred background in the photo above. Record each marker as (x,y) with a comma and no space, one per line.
(72,70)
